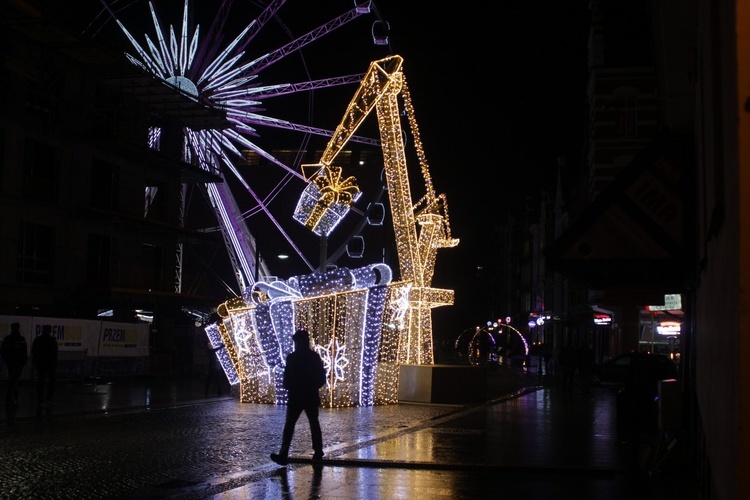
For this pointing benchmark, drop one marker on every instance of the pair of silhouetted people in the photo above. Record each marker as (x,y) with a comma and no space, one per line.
(304,375)
(44,355)
(14,352)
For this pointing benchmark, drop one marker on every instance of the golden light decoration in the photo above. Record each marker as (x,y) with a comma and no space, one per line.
(326,200)
(343,310)
(364,324)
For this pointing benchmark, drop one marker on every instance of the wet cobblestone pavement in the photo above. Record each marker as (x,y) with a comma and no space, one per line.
(529,440)
(164,450)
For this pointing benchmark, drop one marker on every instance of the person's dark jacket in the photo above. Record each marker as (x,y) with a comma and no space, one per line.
(14,350)
(44,352)
(304,375)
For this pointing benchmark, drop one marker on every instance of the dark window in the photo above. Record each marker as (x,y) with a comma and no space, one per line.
(104,185)
(40,171)
(36,251)
(97,260)
(627,117)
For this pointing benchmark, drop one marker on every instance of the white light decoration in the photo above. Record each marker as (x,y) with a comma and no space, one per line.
(347,315)
(362,323)
(334,359)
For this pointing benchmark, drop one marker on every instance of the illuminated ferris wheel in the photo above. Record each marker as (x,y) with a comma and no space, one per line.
(250,64)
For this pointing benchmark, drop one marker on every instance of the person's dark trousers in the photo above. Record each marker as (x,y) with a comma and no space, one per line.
(293,411)
(45,389)
(11,394)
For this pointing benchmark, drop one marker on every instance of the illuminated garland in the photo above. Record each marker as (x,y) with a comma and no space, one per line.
(348,314)
(363,325)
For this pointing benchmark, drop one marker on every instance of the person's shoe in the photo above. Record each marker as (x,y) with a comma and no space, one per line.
(280,459)
(318,456)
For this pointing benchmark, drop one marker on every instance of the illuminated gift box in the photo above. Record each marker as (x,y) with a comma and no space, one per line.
(326,200)
(354,317)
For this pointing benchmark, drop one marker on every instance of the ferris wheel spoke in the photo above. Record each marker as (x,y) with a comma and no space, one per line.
(251,118)
(282,89)
(261,204)
(264,208)
(242,140)
(263,62)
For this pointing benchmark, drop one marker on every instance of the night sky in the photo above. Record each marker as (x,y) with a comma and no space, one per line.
(499,94)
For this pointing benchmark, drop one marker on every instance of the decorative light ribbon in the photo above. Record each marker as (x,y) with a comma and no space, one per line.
(332,190)
(273,291)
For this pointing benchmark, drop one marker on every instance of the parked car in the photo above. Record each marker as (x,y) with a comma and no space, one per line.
(617,370)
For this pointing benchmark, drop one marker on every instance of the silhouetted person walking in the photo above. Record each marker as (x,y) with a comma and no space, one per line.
(14,352)
(304,374)
(44,354)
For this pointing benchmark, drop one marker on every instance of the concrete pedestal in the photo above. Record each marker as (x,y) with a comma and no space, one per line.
(442,383)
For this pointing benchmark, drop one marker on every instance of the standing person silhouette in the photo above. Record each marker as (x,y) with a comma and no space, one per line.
(304,374)
(14,352)
(44,354)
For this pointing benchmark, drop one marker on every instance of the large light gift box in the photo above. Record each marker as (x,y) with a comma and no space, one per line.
(354,317)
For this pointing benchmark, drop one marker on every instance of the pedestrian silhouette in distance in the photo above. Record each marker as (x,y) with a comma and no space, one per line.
(14,352)
(568,362)
(304,375)
(44,355)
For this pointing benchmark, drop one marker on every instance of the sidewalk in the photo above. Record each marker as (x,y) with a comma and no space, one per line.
(116,394)
(530,439)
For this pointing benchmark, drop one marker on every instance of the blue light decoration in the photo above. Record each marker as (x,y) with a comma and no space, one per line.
(354,317)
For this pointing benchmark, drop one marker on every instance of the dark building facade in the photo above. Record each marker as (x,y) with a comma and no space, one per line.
(666,214)
(92,219)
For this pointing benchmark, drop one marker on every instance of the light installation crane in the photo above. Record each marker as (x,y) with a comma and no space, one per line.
(363,324)
(420,228)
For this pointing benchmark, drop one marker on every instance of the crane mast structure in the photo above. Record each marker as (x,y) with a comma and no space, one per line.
(420,228)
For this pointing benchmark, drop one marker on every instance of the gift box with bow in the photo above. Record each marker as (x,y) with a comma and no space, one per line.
(326,200)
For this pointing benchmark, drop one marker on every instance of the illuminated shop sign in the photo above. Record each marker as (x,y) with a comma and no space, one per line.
(668,328)
(602,319)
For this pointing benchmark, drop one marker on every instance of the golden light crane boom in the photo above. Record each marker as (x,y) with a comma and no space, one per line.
(421,228)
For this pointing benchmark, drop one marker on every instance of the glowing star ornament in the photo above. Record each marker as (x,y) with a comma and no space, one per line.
(334,360)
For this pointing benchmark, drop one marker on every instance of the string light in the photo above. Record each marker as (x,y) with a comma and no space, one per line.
(363,325)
